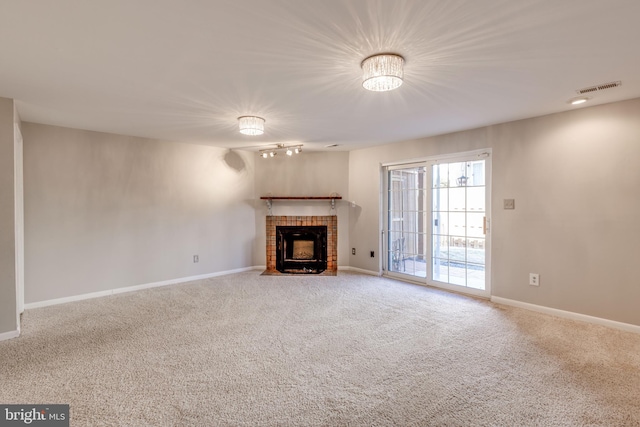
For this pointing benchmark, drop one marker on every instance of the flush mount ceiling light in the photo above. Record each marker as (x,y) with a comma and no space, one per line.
(382,72)
(288,149)
(251,125)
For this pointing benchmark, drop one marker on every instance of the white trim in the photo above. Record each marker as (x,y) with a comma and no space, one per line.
(8,335)
(18,184)
(132,288)
(568,315)
(259,267)
(465,290)
(359,270)
(437,157)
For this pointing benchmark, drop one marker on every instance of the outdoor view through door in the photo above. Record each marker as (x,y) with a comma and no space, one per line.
(406,249)
(436,222)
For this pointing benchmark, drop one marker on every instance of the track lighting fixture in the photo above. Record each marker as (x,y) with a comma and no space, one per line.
(289,150)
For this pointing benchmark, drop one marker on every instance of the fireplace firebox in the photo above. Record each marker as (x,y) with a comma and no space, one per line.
(301,245)
(301,249)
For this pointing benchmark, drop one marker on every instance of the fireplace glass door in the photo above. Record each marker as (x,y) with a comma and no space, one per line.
(301,249)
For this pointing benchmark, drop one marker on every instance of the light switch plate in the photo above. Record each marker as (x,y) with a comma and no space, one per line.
(509,203)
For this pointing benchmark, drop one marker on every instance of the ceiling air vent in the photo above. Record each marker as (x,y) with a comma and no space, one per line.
(597,88)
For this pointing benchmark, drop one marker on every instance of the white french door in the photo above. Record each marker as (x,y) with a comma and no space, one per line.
(436,222)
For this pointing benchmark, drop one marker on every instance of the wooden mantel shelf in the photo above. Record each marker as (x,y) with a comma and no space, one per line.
(270,199)
(301,197)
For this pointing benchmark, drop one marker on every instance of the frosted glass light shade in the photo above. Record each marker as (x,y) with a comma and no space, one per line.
(251,125)
(382,72)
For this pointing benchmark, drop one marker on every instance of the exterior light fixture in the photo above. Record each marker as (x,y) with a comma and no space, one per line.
(251,125)
(382,72)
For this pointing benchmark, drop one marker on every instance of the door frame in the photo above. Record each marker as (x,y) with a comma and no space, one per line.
(18,169)
(484,153)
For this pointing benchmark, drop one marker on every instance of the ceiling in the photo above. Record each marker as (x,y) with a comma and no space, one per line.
(185,70)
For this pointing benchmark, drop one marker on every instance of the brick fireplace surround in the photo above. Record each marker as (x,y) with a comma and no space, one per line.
(332,239)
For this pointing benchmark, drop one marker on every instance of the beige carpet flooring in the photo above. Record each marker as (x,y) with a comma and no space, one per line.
(251,350)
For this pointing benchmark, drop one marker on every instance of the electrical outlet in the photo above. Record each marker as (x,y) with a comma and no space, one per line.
(373,254)
(196,258)
(353,251)
(534,279)
(509,203)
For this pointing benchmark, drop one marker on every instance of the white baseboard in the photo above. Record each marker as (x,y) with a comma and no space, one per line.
(131,288)
(568,315)
(9,335)
(359,270)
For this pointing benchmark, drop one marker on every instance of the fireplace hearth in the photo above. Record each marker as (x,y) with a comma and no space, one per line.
(302,245)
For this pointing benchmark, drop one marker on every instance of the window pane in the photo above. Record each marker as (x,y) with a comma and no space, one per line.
(457,199)
(475,225)
(440,176)
(440,223)
(475,172)
(475,276)
(440,199)
(458,174)
(457,274)
(440,247)
(440,270)
(457,250)
(475,254)
(457,224)
(475,199)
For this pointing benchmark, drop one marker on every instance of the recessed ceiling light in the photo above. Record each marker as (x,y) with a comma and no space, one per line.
(578,101)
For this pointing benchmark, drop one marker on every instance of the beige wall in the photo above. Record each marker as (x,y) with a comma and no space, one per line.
(8,321)
(575,179)
(105,211)
(306,174)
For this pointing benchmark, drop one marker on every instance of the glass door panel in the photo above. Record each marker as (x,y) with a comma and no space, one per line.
(405,221)
(459,223)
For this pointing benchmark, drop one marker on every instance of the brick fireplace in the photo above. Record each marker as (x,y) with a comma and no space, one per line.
(277,225)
